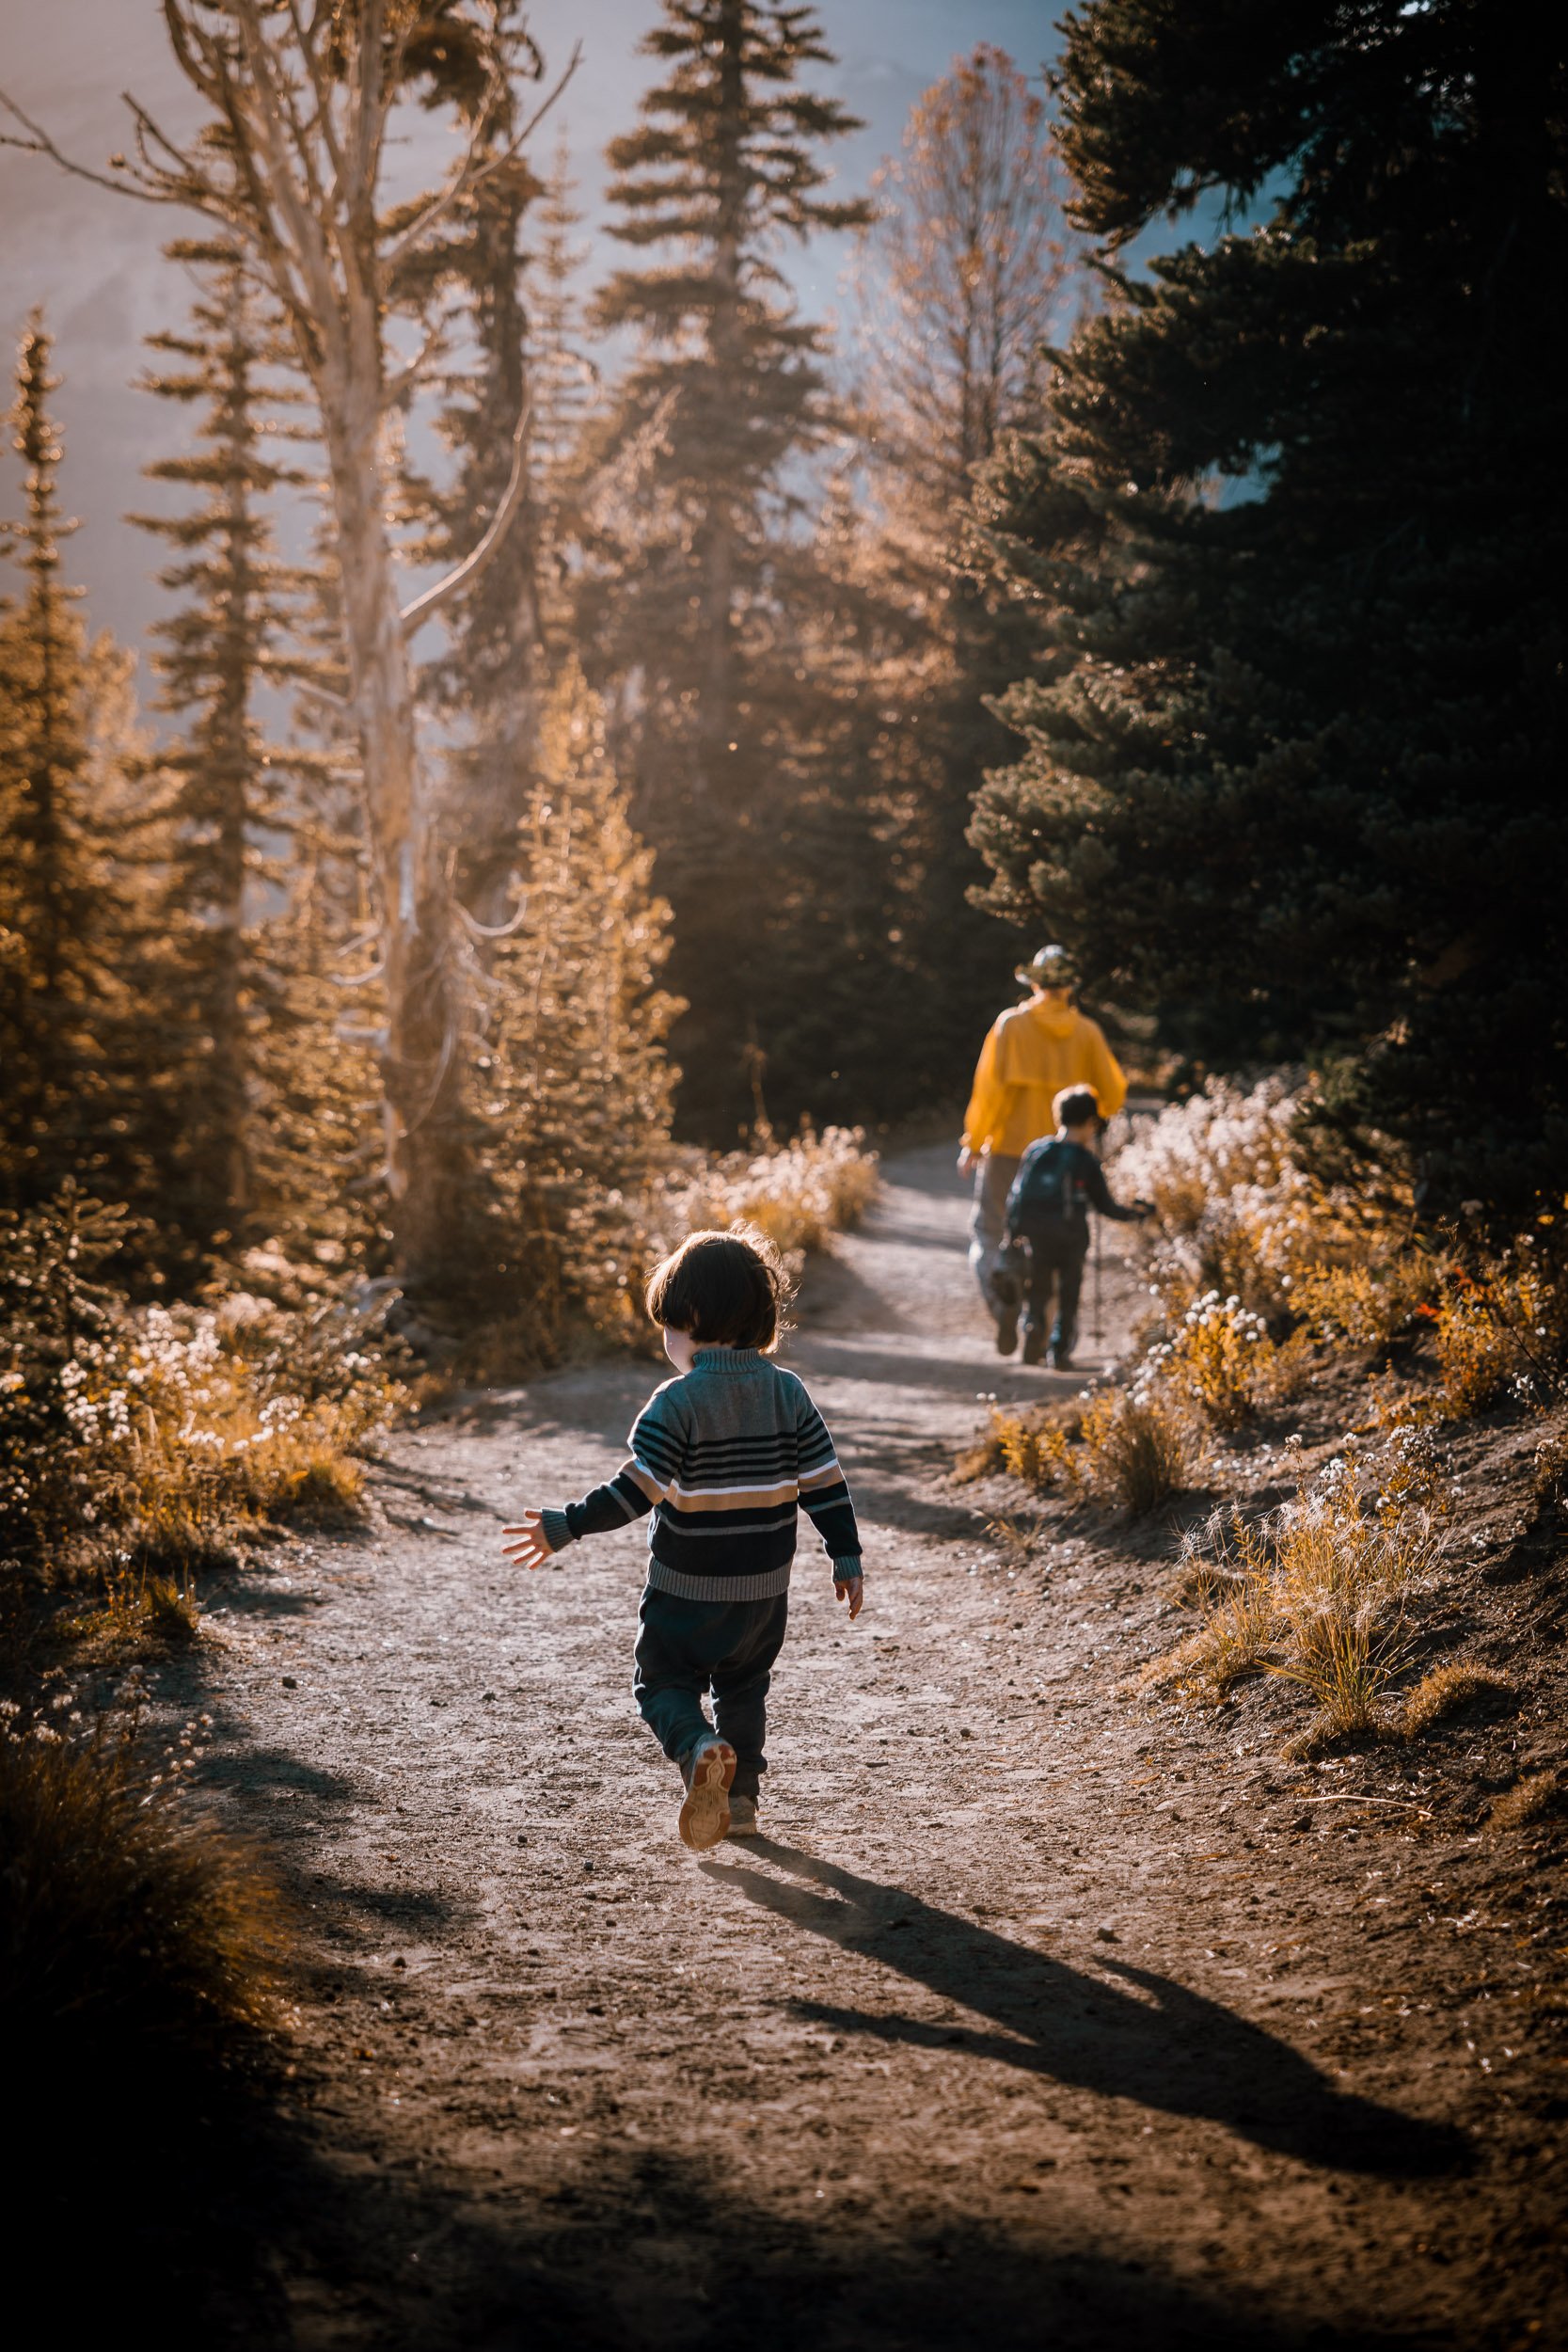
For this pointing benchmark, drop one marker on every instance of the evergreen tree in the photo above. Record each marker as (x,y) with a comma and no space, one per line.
(1294,535)
(575,1084)
(236,804)
(561,379)
(59,914)
(699,489)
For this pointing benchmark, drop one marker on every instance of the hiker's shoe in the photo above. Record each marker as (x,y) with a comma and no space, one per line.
(705,1814)
(1060,1359)
(743,1816)
(1006,1331)
(1034,1346)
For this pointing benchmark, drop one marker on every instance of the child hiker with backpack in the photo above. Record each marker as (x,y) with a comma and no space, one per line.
(724,1456)
(1059,1181)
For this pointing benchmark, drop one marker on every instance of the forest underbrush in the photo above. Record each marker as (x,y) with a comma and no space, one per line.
(1340,1450)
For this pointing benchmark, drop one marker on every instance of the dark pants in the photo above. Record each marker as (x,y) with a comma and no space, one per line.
(1055,1264)
(686,1648)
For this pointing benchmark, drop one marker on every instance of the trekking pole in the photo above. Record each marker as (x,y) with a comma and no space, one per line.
(1094,1287)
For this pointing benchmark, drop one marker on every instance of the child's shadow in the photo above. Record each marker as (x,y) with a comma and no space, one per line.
(1159,2044)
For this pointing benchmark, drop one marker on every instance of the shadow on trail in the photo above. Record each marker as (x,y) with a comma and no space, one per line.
(1157,2042)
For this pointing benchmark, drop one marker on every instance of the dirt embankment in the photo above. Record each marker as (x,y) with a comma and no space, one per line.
(1032,2019)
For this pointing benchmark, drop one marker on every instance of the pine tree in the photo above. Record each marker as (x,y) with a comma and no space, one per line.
(235,634)
(1295,544)
(575,1082)
(699,487)
(561,379)
(57,911)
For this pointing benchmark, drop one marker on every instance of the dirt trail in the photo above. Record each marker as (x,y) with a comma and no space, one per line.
(1023,2025)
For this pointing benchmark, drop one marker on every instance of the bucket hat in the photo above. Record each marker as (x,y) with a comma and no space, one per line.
(1049,967)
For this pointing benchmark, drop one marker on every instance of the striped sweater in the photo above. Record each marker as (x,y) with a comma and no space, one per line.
(724,1457)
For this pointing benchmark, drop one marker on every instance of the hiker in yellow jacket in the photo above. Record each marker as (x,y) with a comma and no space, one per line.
(1031,1053)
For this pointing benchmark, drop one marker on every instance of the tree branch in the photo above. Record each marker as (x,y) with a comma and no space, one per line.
(471,173)
(414,615)
(406,377)
(41,144)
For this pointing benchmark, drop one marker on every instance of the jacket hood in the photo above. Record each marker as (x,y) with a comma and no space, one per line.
(1054,1023)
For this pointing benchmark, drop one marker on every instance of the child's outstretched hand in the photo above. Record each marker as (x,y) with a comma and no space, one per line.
(853,1591)
(530,1549)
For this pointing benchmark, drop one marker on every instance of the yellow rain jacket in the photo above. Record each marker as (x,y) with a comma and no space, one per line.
(1032,1052)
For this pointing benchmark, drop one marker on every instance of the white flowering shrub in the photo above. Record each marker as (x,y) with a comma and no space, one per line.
(1209,1148)
(1238,1215)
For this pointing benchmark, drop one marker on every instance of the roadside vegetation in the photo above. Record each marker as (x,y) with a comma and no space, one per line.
(1331,1403)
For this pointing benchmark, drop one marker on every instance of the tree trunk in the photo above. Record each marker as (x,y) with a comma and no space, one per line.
(420,1056)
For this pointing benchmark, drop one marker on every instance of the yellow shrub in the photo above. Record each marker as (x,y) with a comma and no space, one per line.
(1368,1304)
(1479,1328)
(1039,1455)
(1219,1360)
(798,1193)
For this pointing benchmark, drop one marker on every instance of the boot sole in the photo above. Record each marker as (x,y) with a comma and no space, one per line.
(704,1817)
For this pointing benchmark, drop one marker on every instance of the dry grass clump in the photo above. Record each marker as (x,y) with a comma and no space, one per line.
(1316,1594)
(1489,1329)
(131,1937)
(1446,1688)
(1040,1454)
(1539,1793)
(1137,1454)
(796,1192)
(1122,1447)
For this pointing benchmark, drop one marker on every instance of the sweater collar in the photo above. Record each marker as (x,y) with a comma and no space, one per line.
(733,1362)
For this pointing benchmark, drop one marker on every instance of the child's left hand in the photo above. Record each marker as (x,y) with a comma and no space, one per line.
(531,1549)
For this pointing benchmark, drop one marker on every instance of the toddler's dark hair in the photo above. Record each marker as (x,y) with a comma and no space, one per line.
(724,1289)
(1075,1106)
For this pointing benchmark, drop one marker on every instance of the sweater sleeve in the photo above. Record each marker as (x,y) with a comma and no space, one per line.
(643,1479)
(1100,1193)
(824,1495)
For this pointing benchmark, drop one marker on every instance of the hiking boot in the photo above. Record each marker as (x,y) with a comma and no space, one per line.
(704,1817)
(1006,1331)
(1034,1346)
(1060,1359)
(743,1816)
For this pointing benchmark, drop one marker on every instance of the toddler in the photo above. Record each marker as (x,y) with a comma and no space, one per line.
(724,1456)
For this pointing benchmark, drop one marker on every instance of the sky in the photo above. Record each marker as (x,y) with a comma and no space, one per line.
(93,259)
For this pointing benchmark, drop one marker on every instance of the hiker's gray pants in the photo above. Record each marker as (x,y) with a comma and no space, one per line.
(993,1182)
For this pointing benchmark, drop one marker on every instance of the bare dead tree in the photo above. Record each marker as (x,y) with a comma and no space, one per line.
(302,95)
(969,268)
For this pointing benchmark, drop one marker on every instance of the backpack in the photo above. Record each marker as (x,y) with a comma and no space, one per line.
(1050,1195)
